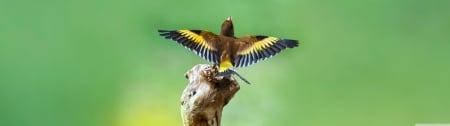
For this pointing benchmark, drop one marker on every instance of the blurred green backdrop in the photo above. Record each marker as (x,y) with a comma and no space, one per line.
(102,63)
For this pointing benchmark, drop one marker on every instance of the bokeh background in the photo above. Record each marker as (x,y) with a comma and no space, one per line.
(102,63)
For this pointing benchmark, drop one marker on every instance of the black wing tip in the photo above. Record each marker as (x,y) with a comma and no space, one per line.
(290,43)
(168,34)
(164,31)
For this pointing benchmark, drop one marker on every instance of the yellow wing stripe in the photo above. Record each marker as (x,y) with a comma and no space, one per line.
(195,38)
(225,65)
(260,45)
(259,48)
(199,41)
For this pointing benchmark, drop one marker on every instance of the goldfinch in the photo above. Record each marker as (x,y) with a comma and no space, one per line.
(227,51)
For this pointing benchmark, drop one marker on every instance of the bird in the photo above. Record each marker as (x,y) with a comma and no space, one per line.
(227,51)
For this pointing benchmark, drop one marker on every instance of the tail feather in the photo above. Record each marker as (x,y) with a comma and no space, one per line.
(230,72)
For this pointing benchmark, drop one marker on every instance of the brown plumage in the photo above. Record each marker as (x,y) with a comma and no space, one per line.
(227,51)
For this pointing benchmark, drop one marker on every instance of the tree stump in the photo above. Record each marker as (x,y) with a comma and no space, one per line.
(205,96)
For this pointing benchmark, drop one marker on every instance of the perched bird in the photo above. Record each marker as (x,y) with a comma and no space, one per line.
(227,51)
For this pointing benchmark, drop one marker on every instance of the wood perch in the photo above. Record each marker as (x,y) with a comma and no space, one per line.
(205,96)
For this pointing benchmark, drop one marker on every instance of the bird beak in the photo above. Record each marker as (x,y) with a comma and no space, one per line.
(229,18)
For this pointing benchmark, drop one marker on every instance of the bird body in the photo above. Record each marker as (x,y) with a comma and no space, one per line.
(227,51)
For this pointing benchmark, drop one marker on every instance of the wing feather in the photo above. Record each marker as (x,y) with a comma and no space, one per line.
(200,42)
(258,48)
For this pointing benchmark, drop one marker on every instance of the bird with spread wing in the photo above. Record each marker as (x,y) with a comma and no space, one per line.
(227,51)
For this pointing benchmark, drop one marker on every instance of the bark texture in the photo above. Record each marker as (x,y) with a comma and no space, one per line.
(205,96)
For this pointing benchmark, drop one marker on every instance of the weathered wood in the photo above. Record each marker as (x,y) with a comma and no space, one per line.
(205,96)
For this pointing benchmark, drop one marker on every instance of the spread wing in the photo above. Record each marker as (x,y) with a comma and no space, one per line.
(257,48)
(200,42)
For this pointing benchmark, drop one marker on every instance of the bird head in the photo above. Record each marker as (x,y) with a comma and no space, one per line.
(227,27)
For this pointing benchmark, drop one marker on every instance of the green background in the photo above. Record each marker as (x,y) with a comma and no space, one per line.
(102,63)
